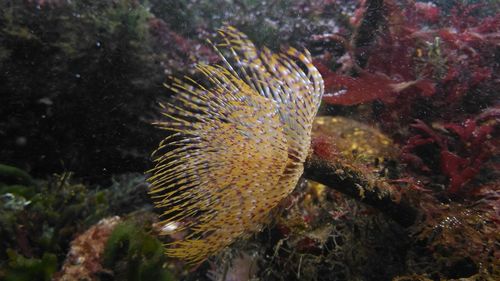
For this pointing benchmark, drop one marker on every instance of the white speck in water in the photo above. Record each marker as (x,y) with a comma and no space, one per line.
(46,101)
(21,141)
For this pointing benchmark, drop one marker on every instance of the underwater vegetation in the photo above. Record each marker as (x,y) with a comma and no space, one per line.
(133,254)
(37,224)
(429,80)
(40,220)
(401,177)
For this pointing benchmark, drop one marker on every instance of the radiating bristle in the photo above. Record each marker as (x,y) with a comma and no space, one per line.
(238,147)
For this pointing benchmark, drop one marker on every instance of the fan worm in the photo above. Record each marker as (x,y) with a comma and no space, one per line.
(236,147)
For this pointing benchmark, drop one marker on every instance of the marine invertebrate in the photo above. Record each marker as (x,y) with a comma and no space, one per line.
(237,148)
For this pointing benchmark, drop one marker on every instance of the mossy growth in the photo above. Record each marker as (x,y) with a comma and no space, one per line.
(10,174)
(15,186)
(133,254)
(30,269)
(39,218)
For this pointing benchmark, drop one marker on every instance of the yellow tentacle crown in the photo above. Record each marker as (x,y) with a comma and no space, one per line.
(236,148)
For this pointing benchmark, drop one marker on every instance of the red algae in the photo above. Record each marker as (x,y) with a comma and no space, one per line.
(422,52)
(429,79)
(463,149)
(427,63)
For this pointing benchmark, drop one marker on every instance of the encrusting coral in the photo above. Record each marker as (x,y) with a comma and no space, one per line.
(237,148)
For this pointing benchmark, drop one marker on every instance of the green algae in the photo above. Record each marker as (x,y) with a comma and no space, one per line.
(30,269)
(133,254)
(10,174)
(38,219)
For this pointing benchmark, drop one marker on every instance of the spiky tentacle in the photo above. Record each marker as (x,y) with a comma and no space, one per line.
(237,147)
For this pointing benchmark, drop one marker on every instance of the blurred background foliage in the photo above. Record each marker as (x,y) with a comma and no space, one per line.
(78,81)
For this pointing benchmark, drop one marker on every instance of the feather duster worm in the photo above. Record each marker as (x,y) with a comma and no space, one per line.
(237,147)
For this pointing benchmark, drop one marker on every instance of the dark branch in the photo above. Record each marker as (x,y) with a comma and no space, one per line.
(367,30)
(354,184)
